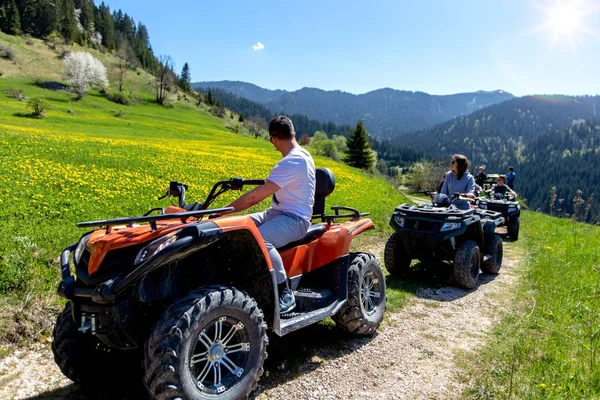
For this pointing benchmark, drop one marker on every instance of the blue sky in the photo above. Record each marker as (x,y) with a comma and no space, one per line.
(435,46)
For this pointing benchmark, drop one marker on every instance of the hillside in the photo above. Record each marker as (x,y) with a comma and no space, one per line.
(541,136)
(386,112)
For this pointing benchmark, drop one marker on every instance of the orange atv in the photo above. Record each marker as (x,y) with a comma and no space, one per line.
(182,297)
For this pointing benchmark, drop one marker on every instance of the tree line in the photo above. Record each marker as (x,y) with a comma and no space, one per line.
(79,21)
(391,157)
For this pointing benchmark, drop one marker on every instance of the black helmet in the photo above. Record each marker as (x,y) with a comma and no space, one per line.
(440,200)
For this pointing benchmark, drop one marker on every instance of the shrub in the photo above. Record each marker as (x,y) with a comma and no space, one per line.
(7,53)
(17,94)
(118,114)
(84,71)
(37,106)
(123,98)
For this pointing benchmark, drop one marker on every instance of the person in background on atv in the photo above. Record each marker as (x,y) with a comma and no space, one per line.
(480,177)
(510,178)
(501,188)
(459,179)
(292,183)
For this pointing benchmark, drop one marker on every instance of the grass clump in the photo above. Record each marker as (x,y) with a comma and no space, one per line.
(7,53)
(547,345)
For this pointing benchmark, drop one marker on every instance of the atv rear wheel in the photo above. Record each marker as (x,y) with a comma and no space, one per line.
(513,227)
(88,362)
(209,345)
(396,258)
(466,264)
(492,266)
(363,311)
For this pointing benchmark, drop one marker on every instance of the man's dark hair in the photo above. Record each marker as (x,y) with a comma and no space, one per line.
(282,128)
(511,169)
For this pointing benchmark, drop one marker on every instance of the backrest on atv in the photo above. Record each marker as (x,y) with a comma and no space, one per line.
(325,183)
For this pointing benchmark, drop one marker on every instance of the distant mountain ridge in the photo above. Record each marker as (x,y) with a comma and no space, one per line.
(386,112)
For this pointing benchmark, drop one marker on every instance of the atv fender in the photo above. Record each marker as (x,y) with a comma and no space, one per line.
(235,256)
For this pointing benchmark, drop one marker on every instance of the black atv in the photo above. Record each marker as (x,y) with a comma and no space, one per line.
(455,232)
(508,207)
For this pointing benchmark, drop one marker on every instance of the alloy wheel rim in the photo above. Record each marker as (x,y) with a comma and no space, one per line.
(220,355)
(369,293)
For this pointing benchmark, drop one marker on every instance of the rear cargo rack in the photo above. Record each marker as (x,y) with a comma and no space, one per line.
(129,221)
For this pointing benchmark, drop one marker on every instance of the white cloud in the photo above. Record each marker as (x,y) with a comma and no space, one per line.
(258,46)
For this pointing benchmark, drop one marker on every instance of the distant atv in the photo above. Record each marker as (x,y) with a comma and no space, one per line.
(183,303)
(510,209)
(445,231)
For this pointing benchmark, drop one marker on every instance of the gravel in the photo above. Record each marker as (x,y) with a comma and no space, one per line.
(412,356)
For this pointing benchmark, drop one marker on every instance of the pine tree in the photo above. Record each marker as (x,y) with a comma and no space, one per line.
(68,23)
(185,79)
(12,20)
(210,99)
(45,21)
(359,153)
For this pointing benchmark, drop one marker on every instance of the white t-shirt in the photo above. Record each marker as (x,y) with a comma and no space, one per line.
(295,175)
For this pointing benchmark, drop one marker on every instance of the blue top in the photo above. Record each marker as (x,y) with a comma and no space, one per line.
(466,184)
(510,179)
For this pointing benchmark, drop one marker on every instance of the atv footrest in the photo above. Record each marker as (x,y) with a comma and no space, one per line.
(292,321)
(312,299)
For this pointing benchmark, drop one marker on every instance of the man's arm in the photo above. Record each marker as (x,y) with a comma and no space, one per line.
(254,196)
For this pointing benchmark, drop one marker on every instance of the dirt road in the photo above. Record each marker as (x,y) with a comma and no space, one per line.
(413,355)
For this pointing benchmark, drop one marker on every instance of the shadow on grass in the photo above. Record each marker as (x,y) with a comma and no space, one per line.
(28,115)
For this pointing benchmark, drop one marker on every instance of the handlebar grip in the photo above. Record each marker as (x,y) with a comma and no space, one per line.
(255,181)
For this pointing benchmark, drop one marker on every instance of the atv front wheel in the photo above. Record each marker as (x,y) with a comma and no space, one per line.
(492,266)
(513,227)
(88,362)
(396,258)
(363,311)
(209,345)
(466,264)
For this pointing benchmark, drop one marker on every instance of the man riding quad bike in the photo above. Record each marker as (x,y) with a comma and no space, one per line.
(181,299)
(447,230)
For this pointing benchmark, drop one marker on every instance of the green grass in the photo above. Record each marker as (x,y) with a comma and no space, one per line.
(82,162)
(547,345)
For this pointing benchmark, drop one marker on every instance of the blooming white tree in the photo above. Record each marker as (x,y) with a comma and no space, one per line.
(83,71)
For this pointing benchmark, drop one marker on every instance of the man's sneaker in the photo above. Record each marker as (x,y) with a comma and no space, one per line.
(287,302)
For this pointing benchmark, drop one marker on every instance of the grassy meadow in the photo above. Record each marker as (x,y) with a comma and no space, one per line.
(548,343)
(94,159)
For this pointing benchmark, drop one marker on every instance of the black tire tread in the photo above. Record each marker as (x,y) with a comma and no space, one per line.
(512,227)
(351,318)
(491,266)
(397,260)
(162,377)
(462,264)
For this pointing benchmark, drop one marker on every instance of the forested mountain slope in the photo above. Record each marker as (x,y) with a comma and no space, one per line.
(386,112)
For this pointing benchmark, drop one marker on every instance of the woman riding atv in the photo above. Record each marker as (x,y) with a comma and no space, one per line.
(459,179)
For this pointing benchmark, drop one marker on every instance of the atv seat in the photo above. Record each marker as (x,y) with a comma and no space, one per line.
(315,231)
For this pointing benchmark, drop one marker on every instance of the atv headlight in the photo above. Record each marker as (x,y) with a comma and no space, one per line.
(450,226)
(156,247)
(80,248)
(399,220)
